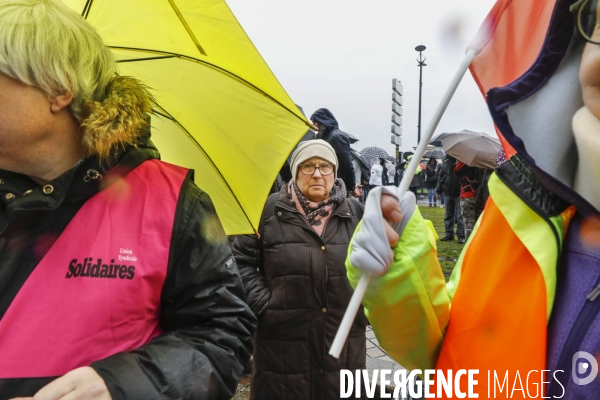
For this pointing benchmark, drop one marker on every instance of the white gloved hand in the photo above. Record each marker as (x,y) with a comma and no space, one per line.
(371,250)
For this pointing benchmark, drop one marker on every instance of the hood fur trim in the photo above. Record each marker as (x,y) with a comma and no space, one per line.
(117,121)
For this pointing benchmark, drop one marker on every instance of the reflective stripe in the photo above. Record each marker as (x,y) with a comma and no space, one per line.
(498,315)
(532,230)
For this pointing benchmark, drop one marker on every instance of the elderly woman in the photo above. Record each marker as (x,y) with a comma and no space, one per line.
(296,283)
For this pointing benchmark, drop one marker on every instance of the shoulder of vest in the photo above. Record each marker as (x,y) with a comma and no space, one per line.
(518,176)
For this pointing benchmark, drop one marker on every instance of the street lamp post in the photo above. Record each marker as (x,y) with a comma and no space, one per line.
(421,61)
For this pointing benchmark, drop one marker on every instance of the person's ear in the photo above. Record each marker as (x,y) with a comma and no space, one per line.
(61,101)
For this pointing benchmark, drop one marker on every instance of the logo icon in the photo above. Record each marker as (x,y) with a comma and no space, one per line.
(580,368)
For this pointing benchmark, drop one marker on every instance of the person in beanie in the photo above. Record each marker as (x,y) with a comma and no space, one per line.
(116,279)
(328,130)
(296,283)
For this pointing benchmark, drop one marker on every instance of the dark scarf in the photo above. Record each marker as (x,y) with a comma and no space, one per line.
(317,213)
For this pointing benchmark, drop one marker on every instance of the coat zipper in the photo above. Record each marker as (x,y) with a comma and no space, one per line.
(312,231)
(323,244)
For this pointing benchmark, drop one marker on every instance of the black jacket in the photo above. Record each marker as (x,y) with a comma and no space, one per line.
(296,282)
(431,176)
(340,142)
(448,183)
(207,326)
(385,180)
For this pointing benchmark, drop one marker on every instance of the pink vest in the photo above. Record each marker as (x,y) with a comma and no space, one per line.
(97,290)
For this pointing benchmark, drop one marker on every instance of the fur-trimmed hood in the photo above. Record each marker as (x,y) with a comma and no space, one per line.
(118,120)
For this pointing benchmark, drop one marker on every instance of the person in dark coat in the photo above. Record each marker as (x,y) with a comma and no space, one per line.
(296,284)
(329,131)
(449,186)
(364,182)
(116,280)
(469,188)
(431,174)
(384,175)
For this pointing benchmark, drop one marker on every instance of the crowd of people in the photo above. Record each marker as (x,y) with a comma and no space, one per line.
(134,299)
(455,184)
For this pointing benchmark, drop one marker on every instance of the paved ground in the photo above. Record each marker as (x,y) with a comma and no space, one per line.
(423,201)
(377,358)
(373,349)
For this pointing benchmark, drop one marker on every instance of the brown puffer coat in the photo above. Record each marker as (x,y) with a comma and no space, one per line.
(296,282)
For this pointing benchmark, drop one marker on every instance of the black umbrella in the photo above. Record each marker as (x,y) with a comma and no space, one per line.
(437,141)
(435,153)
(361,159)
(374,152)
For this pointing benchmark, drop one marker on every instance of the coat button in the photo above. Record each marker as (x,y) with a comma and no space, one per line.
(279,213)
(324,310)
(1,181)
(322,247)
(48,189)
(27,192)
(9,196)
(320,371)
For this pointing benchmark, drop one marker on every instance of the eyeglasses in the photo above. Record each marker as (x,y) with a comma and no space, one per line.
(585,12)
(309,169)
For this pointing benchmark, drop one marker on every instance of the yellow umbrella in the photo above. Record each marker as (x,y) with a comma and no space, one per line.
(221,111)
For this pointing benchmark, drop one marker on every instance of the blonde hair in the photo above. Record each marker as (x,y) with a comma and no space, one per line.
(44,43)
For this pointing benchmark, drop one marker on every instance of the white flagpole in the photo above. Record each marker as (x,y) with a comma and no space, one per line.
(361,287)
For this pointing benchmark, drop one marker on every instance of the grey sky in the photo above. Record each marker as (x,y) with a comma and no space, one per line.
(343,54)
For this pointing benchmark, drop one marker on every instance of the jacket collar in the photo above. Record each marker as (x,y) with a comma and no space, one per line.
(558,46)
(21,197)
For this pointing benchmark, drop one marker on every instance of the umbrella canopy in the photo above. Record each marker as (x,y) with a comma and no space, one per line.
(435,141)
(365,162)
(374,152)
(216,98)
(435,153)
(475,149)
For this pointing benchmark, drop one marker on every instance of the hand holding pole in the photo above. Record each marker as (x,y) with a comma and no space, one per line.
(361,287)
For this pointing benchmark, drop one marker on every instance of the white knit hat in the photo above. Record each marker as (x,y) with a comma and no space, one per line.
(313,148)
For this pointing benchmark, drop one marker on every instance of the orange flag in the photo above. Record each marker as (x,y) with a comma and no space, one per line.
(511,37)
